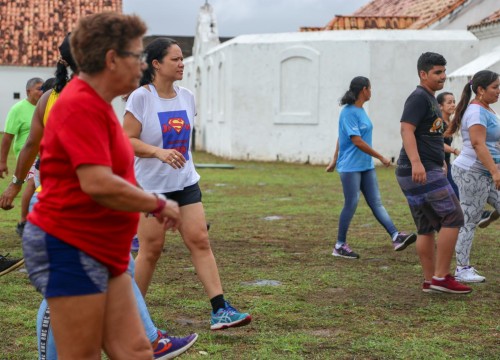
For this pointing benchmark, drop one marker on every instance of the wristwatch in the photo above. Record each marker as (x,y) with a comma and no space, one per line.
(16,181)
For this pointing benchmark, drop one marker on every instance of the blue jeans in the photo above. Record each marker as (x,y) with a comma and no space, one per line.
(451,181)
(352,183)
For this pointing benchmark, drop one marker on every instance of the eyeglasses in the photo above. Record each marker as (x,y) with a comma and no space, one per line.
(139,56)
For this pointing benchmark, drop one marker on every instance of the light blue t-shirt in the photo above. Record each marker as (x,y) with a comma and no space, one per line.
(477,115)
(354,122)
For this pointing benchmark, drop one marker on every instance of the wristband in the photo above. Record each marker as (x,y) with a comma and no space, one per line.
(161,202)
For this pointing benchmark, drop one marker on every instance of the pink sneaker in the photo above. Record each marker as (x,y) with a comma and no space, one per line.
(449,285)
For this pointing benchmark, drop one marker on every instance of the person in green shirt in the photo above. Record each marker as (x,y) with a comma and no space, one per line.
(17,128)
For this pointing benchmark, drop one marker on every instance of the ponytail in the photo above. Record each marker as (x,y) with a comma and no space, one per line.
(155,50)
(459,111)
(357,84)
(482,79)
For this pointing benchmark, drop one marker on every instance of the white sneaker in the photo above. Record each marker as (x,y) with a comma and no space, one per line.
(468,274)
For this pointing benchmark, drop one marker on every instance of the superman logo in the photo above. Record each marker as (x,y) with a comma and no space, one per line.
(177,124)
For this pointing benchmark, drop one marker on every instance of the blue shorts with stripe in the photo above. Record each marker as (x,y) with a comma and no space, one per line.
(434,204)
(56,268)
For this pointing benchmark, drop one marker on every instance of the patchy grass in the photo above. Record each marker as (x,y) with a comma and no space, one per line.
(325,307)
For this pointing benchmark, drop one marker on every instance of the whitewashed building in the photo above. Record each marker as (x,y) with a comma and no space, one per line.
(275,96)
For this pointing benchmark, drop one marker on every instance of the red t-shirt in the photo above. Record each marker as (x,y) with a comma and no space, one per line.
(82,130)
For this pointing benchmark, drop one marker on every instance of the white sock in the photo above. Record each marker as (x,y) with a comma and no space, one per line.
(395,235)
(338,246)
(437,278)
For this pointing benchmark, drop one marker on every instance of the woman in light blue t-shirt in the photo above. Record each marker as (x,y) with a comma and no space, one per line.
(353,159)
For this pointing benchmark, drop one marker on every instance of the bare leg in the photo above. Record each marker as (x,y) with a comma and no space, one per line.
(195,235)
(110,319)
(425,250)
(124,334)
(447,239)
(78,317)
(151,238)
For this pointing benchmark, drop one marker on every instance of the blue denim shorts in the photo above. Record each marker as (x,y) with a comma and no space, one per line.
(56,268)
(434,204)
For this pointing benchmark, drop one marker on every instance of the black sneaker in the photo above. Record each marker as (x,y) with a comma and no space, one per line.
(20,228)
(345,252)
(403,240)
(7,265)
(487,218)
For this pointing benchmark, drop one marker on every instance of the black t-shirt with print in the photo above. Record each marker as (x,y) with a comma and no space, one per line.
(422,110)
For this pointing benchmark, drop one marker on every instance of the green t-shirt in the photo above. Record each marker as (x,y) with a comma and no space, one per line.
(18,123)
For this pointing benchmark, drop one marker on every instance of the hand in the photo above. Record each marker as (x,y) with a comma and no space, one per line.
(3,169)
(496,180)
(8,196)
(171,157)
(331,166)
(170,216)
(418,174)
(385,161)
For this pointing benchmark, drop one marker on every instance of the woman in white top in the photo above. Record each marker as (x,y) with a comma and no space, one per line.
(476,171)
(159,118)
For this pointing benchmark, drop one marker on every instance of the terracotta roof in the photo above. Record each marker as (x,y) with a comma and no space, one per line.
(33,29)
(340,22)
(427,11)
(311,28)
(492,19)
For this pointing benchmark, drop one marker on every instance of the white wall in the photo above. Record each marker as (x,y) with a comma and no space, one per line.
(13,79)
(280,94)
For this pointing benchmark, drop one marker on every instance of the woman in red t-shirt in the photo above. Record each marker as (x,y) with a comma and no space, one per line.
(78,237)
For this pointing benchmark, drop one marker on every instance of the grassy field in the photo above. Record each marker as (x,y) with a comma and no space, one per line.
(276,221)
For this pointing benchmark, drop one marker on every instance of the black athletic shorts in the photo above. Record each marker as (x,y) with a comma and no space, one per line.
(188,195)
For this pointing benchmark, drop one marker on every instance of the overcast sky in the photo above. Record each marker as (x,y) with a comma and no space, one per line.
(236,17)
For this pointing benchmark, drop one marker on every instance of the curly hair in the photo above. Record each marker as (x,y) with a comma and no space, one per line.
(96,34)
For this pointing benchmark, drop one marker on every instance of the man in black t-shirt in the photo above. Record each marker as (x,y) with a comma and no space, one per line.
(433,203)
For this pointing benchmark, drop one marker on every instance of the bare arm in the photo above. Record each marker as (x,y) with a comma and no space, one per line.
(4,153)
(133,129)
(478,141)
(333,164)
(451,150)
(28,153)
(410,146)
(112,191)
(364,147)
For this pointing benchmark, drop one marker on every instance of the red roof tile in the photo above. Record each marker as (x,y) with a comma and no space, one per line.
(492,19)
(33,29)
(370,22)
(427,11)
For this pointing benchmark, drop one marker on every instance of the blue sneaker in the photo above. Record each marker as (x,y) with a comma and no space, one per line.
(228,317)
(168,347)
(135,244)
